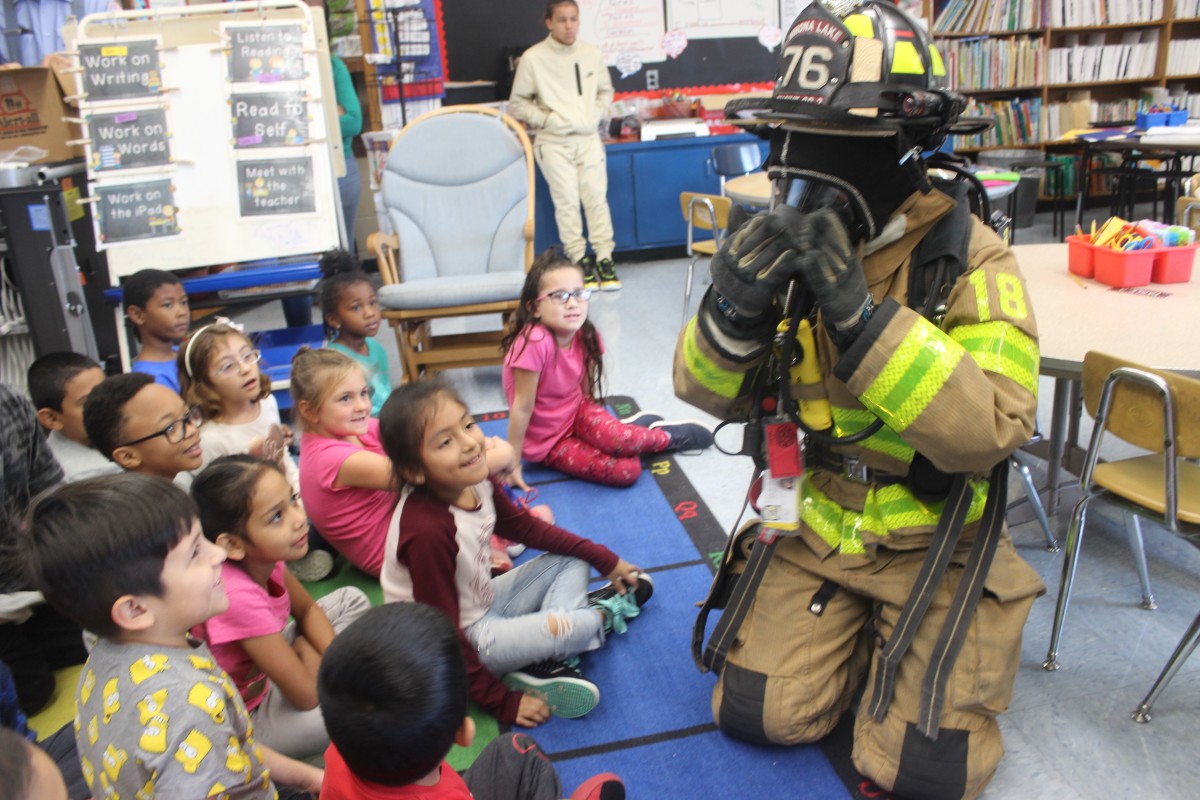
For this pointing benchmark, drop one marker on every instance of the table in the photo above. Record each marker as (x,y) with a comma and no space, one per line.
(755,190)
(1078,315)
(1161,148)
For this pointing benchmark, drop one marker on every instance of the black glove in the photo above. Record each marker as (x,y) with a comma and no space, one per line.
(832,272)
(759,259)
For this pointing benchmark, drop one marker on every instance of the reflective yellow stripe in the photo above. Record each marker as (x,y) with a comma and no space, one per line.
(913,376)
(885,441)
(886,509)
(721,382)
(939,66)
(906,60)
(860,25)
(1001,348)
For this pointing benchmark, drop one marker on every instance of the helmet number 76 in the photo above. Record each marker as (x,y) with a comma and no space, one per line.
(813,64)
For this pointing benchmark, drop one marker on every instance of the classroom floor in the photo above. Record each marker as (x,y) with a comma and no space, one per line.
(1068,734)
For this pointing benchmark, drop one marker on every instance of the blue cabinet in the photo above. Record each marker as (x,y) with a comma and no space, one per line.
(644,182)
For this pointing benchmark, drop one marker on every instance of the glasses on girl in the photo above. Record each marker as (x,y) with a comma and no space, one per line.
(561,297)
(176,431)
(229,364)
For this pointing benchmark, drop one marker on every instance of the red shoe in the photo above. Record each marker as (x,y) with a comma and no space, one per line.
(605,786)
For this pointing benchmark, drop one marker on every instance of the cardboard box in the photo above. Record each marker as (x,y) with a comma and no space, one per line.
(31,113)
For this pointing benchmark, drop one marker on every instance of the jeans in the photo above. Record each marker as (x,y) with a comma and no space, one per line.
(514,631)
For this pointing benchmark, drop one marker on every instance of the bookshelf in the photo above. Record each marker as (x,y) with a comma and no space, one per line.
(1043,67)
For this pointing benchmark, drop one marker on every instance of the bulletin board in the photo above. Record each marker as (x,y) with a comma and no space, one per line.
(210,133)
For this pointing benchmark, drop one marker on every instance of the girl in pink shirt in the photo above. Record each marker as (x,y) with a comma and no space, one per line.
(553,374)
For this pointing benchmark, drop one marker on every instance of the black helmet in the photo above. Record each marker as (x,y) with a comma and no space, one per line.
(858,68)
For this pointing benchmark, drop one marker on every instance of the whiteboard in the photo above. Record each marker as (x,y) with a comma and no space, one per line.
(722,19)
(628,32)
(212,223)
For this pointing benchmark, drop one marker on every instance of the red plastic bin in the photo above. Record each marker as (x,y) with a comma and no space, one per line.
(1080,258)
(1124,268)
(1173,264)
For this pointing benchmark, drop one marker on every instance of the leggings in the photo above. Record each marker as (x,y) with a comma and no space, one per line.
(602,449)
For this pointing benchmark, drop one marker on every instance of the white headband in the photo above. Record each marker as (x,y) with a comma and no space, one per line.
(187,351)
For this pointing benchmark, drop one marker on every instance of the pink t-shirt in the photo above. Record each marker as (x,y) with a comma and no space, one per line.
(253,611)
(352,519)
(559,390)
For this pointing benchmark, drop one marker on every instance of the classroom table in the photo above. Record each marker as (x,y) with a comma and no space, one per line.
(1156,328)
(1172,151)
(755,190)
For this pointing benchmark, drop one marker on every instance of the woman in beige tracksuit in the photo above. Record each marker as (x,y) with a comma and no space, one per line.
(562,90)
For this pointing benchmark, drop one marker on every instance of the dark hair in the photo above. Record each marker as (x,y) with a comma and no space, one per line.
(139,287)
(553,4)
(104,410)
(16,765)
(393,691)
(192,365)
(341,269)
(49,375)
(403,418)
(224,491)
(91,541)
(593,361)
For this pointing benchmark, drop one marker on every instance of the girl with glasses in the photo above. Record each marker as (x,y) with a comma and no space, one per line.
(553,375)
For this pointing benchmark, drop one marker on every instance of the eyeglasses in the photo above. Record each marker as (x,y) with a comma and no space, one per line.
(247,358)
(561,297)
(176,431)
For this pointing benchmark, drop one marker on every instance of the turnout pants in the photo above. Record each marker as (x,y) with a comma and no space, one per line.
(576,171)
(794,688)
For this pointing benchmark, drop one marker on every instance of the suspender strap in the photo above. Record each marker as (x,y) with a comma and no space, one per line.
(966,599)
(718,591)
(945,539)
(731,620)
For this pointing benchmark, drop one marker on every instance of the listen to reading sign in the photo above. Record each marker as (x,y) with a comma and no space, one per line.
(137,211)
(276,186)
(266,53)
(120,70)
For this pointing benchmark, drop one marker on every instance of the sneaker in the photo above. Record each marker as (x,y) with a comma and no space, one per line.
(686,435)
(590,279)
(315,566)
(619,608)
(643,419)
(501,560)
(563,687)
(609,282)
(605,786)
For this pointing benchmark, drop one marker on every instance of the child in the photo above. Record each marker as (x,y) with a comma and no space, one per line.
(157,306)
(393,687)
(346,480)
(29,773)
(58,384)
(437,553)
(351,311)
(143,426)
(248,507)
(154,714)
(552,379)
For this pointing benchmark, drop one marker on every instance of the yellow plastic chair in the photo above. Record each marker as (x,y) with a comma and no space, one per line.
(706,212)
(1155,411)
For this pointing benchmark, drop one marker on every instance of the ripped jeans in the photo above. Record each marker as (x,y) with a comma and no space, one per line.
(514,632)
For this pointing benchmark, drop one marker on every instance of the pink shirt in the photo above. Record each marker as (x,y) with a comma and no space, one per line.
(559,390)
(352,519)
(253,611)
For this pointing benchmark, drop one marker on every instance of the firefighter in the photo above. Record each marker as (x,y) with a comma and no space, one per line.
(900,581)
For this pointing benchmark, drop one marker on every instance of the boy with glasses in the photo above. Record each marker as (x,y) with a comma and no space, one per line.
(143,426)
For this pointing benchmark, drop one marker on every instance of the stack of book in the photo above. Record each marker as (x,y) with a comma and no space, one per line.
(1082,13)
(1018,122)
(985,63)
(977,16)
(1183,57)
(1088,58)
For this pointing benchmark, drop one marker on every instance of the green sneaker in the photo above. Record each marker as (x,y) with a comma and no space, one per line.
(563,687)
(609,282)
(590,279)
(618,609)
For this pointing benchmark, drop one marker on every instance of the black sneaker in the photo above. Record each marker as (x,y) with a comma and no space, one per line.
(686,435)
(609,282)
(643,419)
(590,279)
(563,687)
(619,608)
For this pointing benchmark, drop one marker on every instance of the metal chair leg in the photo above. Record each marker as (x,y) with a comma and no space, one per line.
(1035,502)
(1187,645)
(1134,530)
(687,290)
(1070,563)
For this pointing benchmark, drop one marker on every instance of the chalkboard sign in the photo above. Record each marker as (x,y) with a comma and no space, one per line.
(137,211)
(276,186)
(269,120)
(266,53)
(129,139)
(120,70)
